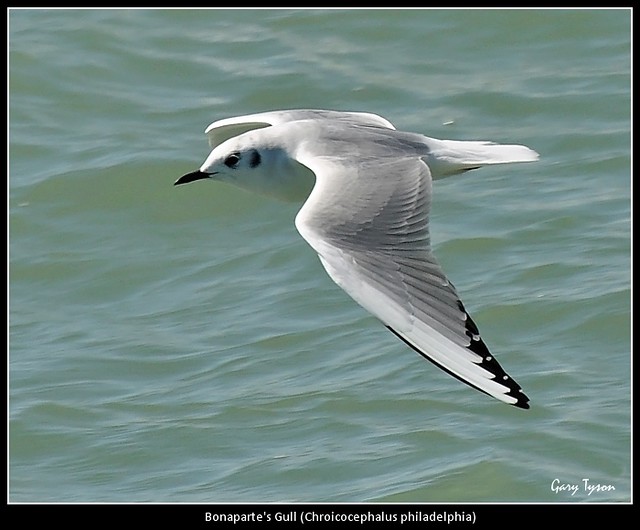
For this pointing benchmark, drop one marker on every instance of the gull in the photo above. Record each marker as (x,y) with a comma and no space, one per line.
(366,192)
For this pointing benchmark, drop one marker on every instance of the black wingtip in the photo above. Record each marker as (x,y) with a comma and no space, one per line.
(489,362)
(522,401)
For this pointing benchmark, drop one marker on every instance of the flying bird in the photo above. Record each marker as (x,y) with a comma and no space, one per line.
(367,189)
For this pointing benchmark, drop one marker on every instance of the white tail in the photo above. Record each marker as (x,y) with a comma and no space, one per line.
(448,157)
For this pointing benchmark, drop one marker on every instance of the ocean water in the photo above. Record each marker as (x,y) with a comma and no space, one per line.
(185,344)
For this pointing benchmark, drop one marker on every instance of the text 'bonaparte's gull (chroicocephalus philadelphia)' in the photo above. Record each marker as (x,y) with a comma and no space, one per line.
(368,191)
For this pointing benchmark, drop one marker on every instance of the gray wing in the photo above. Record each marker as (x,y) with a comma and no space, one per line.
(367,217)
(221,130)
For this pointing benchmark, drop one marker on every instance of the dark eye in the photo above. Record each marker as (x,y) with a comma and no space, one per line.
(232,159)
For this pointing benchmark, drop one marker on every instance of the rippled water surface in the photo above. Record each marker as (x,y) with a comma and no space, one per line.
(185,344)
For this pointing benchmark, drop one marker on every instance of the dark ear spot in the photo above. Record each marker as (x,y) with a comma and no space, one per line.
(255,159)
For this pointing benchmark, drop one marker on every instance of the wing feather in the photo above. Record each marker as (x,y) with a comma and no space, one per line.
(369,224)
(221,130)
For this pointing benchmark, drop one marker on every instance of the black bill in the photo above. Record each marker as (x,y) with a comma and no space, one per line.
(190,177)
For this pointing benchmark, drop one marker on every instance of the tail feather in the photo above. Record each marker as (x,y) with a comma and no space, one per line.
(448,157)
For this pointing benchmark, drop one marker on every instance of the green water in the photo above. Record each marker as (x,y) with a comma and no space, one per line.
(185,345)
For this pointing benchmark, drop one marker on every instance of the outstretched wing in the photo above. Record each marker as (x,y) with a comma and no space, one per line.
(221,130)
(368,221)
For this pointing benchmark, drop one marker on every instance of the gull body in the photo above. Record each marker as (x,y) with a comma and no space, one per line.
(367,191)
